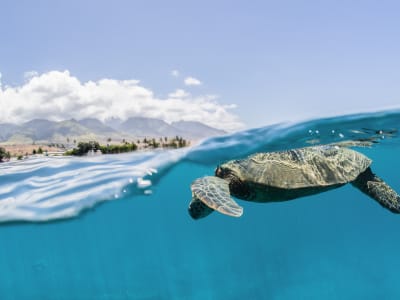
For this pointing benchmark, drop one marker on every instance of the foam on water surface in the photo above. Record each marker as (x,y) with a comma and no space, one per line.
(43,189)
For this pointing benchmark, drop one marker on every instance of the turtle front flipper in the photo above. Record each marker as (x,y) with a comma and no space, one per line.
(377,189)
(212,193)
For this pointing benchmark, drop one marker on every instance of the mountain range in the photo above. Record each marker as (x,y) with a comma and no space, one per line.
(45,131)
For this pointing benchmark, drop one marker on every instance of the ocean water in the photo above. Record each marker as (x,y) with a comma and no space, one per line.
(117,226)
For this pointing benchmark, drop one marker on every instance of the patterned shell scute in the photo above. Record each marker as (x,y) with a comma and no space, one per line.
(305,167)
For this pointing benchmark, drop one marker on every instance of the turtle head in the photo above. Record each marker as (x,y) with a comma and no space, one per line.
(221,172)
(230,172)
(227,170)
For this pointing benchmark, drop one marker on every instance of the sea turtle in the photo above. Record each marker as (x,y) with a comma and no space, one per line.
(286,175)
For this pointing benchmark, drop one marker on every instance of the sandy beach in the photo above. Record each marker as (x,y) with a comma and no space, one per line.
(16,150)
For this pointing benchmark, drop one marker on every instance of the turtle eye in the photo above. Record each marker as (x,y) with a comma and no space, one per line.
(221,172)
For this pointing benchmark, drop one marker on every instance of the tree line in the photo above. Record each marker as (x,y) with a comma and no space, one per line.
(84,148)
(4,155)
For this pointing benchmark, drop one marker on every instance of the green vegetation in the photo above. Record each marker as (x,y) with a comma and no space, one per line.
(153,144)
(84,147)
(113,149)
(55,145)
(177,142)
(38,151)
(4,155)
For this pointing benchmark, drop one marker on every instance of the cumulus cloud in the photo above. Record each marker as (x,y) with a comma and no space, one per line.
(192,81)
(179,93)
(30,74)
(58,96)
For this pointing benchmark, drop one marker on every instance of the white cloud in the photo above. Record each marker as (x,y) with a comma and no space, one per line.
(192,81)
(0,79)
(179,93)
(175,73)
(30,74)
(57,95)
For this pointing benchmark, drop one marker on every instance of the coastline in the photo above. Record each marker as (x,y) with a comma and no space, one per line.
(28,150)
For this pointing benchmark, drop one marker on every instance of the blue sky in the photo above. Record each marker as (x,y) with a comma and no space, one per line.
(276,60)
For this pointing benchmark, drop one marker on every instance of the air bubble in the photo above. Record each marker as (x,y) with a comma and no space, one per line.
(143,183)
(148,192)
(153,171)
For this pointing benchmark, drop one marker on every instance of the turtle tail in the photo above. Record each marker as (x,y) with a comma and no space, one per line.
(377,189)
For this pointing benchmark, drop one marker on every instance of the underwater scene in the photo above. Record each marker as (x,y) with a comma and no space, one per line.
(118,227)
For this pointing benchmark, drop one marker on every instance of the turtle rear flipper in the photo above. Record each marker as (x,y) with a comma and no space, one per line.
(212,193)
(377,189)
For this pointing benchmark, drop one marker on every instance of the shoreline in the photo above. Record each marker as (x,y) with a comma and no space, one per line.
(27,150)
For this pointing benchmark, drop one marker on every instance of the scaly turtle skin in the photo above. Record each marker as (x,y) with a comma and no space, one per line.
(286,175)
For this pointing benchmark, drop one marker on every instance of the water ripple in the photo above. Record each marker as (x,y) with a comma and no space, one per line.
(49,188)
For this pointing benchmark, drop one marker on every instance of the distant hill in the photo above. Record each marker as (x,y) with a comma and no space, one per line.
(38,129)
(140,126)
(7,130)
(197,130)
(97,126)
(64,132)
(71,128)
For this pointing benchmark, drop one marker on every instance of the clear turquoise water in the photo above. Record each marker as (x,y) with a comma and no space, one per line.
(335,245)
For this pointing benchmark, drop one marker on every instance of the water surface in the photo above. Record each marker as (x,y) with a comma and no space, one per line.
(86,228)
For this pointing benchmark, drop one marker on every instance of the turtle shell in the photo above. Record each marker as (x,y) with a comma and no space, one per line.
(302,168)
